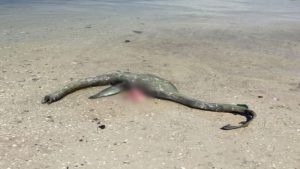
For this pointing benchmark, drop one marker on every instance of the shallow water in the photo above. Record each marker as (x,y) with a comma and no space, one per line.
(242,9)
(22,15)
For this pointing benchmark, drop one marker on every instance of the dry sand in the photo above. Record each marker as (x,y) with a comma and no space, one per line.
(228,52)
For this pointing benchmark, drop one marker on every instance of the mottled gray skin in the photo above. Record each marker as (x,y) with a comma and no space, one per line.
(152,86)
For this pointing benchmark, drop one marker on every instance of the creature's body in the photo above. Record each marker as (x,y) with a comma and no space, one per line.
(152,86)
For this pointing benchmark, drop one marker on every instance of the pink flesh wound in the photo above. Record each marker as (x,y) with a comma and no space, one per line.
(136,95)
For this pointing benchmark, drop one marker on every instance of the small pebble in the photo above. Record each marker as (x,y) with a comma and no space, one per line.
(35,79)
(127,41)
(102,126)
(126,162)
(138,32)
(49,119)
(260,96)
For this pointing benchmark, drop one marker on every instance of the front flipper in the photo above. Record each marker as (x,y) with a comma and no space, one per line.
(112,90)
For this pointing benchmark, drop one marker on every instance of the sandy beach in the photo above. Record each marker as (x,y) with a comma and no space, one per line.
(236,51)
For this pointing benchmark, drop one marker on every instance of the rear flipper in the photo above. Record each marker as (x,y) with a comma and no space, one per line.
(249,114)
(112,90)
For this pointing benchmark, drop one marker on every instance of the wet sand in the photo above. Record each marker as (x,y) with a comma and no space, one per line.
(227,52)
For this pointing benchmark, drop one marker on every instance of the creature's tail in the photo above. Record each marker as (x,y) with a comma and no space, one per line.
(240,109)
(81,84)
